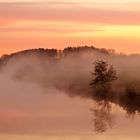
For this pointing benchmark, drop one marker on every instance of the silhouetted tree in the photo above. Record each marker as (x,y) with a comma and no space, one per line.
(103,74)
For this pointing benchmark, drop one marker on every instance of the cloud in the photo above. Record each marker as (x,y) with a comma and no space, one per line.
(62,11)
(56,30)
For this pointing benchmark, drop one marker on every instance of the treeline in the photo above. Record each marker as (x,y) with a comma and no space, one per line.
(70,50)
(40,51)
(56,53)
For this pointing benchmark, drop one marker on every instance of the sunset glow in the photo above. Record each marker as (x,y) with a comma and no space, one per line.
(113,24)
(69,69)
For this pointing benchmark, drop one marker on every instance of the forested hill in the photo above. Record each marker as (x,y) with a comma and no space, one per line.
(55,52)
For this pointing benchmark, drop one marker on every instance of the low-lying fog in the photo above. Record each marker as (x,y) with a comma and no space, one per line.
(71,73)
(35,90)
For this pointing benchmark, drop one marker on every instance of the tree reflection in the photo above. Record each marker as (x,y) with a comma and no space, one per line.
(103,119)
(130,102)
(129,99)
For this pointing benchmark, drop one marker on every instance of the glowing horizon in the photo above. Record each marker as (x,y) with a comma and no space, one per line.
(112,24)
(52,98)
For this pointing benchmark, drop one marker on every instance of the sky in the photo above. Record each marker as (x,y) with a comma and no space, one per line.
(113,24)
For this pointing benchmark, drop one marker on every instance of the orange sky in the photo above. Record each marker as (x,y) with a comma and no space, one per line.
(28,24)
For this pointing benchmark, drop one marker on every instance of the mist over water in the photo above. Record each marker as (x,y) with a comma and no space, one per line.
(72,72)
(27,79)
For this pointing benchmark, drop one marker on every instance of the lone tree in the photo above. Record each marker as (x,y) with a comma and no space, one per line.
(103,74)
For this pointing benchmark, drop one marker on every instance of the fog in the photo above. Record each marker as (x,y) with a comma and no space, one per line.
(71,73)
(26,79)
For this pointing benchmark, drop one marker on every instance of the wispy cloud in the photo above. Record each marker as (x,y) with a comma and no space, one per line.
(63,11)
(70,23)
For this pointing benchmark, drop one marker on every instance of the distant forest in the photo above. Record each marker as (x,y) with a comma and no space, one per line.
(54,53)
(59,53)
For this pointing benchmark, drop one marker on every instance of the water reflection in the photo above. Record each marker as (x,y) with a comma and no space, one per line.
(130,102)
(26,109)
(102,116)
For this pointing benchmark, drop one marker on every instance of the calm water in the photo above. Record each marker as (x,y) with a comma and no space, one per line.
(28,113)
